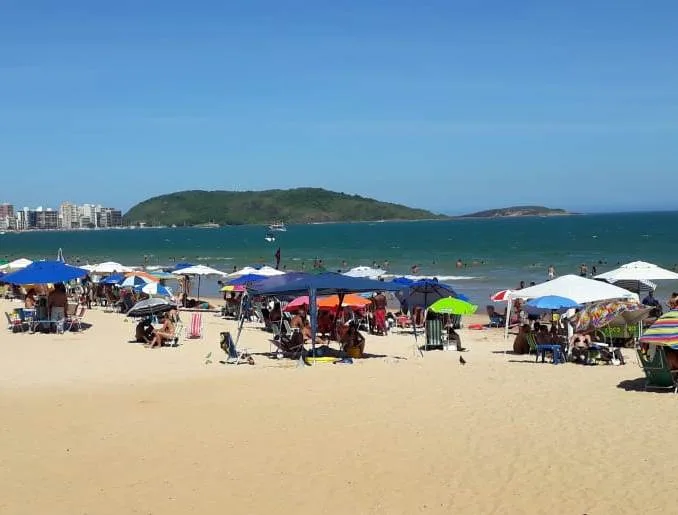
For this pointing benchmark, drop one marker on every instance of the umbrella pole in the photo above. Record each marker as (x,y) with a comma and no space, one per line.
(241,318)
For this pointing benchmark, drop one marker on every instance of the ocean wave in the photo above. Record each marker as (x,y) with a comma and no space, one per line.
(439,277)
(214,258)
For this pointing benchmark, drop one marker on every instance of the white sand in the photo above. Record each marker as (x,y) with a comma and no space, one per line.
(94,424)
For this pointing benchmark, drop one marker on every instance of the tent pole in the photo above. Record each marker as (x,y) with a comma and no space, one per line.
(241,318)
(507,317)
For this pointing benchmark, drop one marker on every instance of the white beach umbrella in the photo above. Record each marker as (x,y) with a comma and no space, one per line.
(639,271)
(365,271)
(17,264)
(110,267)
(199,271)
(268,271)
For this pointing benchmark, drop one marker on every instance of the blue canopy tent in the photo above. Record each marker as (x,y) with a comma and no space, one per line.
(326,283)
(43,272)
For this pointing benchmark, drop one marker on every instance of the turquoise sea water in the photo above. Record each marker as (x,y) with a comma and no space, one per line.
(497,253)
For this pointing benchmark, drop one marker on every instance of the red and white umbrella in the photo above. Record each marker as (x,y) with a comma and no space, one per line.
(500,296)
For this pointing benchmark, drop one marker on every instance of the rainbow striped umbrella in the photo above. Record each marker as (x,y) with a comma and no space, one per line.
(609,313)
(664,331)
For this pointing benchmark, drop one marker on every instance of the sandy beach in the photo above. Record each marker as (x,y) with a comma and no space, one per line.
(94,424)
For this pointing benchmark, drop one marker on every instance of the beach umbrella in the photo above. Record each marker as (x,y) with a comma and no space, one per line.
(638,271)
(664,331)
(609,313)
(15,265)
(44,272)
(200,271)
(350,300)
(155,289)
(296,304)
(160,274)
(110,267)
(501,296)
(231,287)
(552,303)
(179,266)
(453,306)
(150,278)
(149,307)
(267,271)
(424,292)
(112,279)
(133,280)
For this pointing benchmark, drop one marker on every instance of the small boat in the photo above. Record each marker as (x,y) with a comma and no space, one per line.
(269,236)
(277,226)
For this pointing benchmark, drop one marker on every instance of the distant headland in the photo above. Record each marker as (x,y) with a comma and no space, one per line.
(516,211)
(298,205)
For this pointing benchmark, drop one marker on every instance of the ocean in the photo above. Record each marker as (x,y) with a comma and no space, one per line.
(496,253)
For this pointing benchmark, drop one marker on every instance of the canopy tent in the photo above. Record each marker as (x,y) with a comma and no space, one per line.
(44,272)
(580,289)
(313,285)
(638,271)
(179,266)
(109,267)
(329,302)
(365,271)
(15,265)
(640,286)
(200,271)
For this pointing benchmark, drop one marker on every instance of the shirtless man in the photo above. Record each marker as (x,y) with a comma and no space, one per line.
(57,302)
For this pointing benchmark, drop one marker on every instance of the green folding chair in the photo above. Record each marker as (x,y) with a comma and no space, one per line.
(658,374)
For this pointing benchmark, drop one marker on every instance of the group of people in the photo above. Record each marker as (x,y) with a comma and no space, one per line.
(153,338)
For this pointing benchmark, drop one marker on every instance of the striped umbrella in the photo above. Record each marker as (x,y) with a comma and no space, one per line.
(156,289)
(664,331)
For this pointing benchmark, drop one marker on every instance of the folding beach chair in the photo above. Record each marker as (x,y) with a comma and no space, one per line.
(75,320)
(434,334)
(14,322)
(194,328)
(659,375)
(235,355)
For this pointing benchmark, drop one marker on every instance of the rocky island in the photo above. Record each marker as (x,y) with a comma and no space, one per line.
(515,211)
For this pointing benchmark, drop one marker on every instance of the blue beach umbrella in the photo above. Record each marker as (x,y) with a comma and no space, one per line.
(155,289)
(43,272)
(549,303)
(133,281)
(180,266)
(112,279)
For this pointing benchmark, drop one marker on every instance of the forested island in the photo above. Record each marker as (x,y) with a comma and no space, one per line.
(298,205)
(517,211)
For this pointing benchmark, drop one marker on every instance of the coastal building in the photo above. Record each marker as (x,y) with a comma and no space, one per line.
(68,216)
(46,219)
(7,218)
(109,217)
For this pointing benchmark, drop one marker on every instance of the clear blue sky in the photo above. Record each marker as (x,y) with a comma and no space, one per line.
(447,105)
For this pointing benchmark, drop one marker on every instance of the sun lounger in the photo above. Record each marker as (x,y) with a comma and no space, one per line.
(658,374)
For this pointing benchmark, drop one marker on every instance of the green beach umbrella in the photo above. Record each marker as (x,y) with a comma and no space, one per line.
(452,306)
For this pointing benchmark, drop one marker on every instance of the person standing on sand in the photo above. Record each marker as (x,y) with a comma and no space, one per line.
(551,272)
(380,313)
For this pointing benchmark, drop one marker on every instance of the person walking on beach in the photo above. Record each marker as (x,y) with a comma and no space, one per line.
(551,272)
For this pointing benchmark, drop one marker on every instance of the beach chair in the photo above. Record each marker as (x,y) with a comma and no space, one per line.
(658,374)
(434,334)
(235,355)
(75,319)
(289,343)
(542,348)
(194,328)
(14,323)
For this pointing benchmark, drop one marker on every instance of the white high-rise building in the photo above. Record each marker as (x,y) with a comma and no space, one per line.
(68,216)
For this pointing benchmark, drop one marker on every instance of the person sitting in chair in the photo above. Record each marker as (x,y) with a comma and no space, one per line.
(353,342)
(164,334)
(580,344)
(301,322)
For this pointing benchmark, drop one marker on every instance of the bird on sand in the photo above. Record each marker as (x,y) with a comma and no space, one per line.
(462,360)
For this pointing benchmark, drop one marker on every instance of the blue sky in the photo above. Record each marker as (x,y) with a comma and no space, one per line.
(447,105)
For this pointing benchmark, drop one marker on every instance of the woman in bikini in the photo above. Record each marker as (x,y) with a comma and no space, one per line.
(164,334)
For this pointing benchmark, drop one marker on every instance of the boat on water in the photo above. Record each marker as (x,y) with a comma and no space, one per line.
(269,236)
(277,226)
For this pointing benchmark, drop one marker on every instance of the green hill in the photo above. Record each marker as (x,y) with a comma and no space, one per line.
(299,205)
(517,211)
